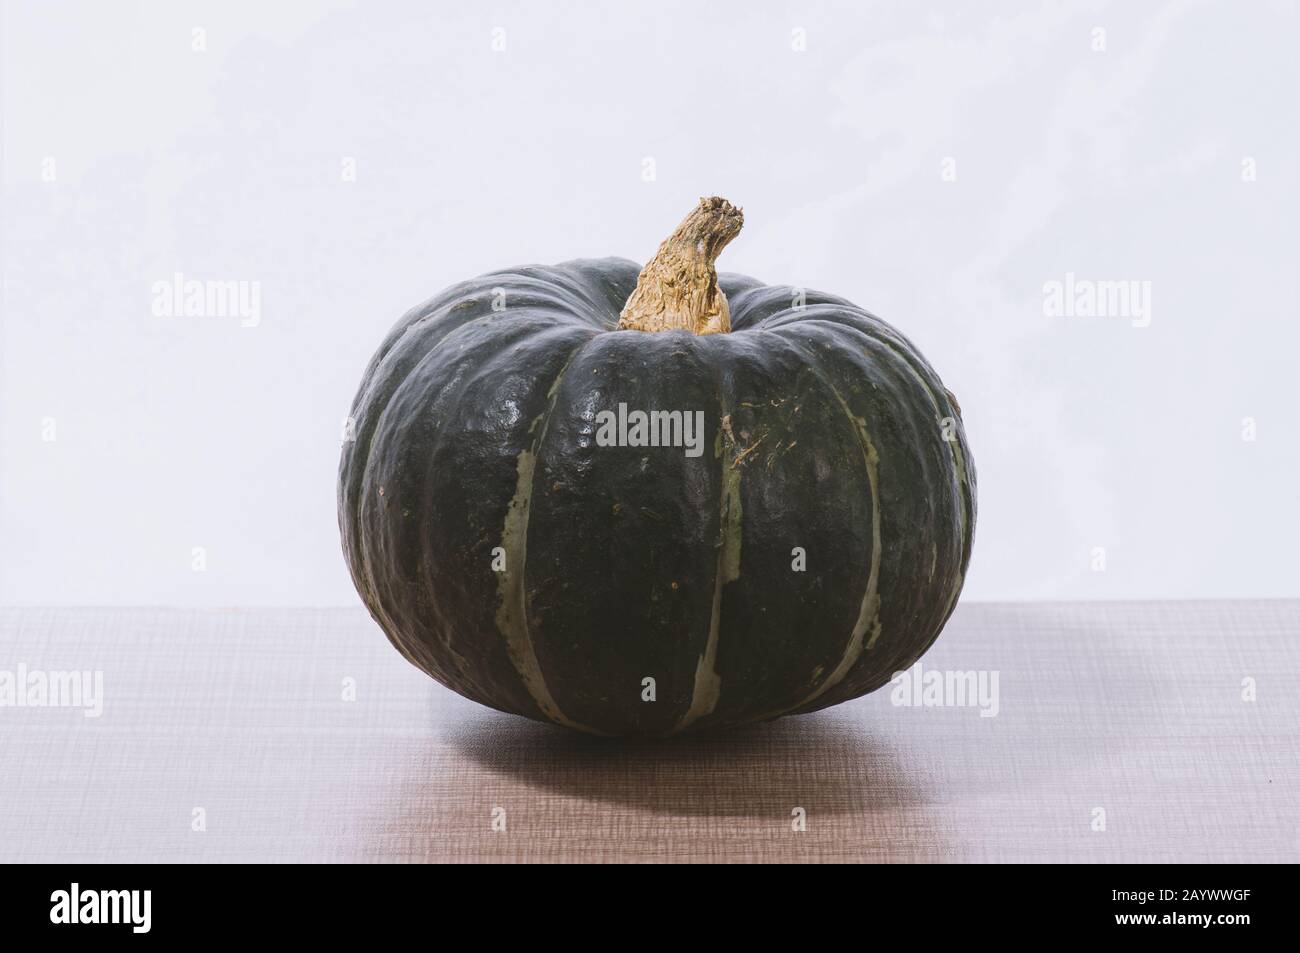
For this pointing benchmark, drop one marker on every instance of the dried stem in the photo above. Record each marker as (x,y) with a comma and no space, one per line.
(678,290)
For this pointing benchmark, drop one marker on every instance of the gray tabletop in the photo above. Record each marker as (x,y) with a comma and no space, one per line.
(1119,732)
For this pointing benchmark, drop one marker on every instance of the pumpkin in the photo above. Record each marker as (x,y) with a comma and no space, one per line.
(647,501)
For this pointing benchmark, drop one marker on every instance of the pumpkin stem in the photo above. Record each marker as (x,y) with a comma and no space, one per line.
(678,290)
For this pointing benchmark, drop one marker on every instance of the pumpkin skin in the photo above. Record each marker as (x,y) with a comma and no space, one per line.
(524,566)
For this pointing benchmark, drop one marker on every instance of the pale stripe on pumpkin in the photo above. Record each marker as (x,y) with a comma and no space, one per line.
(959,473)
(869,613)
(512,616)
(708,684)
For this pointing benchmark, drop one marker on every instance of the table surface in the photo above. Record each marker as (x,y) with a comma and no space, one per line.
(235,721)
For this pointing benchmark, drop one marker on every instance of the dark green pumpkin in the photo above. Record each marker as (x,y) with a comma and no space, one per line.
(524,566)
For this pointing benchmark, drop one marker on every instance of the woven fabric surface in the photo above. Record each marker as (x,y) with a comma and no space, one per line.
(1122,732)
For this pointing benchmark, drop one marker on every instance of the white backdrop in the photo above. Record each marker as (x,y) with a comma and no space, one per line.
(939,164)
